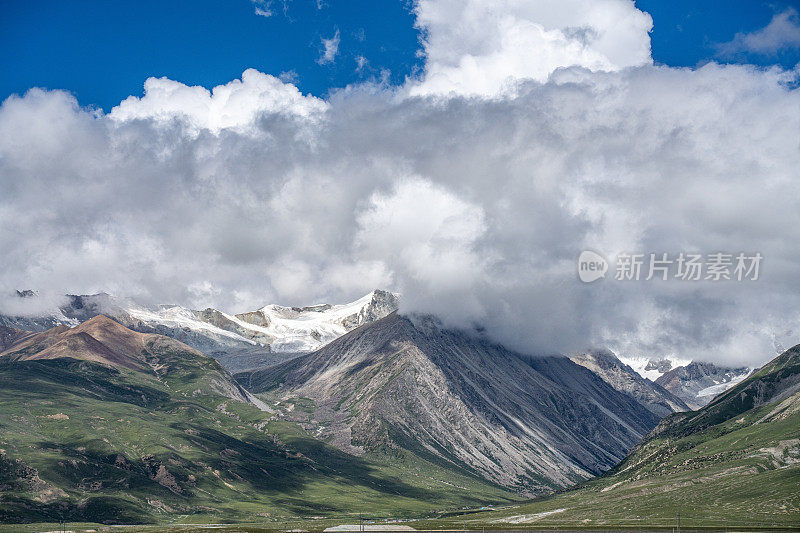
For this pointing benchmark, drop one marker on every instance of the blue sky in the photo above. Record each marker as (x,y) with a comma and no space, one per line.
(102,51)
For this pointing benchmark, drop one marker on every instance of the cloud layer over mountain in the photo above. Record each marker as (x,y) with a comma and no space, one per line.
(471,194)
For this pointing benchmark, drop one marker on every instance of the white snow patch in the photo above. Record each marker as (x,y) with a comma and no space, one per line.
(715,390)
(176,316)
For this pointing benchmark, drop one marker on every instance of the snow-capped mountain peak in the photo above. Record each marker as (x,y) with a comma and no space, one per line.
(651,368)
(304,329)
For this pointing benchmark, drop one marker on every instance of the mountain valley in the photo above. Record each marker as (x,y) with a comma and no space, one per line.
(735,461)
(114,419)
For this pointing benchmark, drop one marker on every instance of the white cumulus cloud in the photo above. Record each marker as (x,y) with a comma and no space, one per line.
(475,47)
(236,104)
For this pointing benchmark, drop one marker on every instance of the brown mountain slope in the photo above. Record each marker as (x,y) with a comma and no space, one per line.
(105,341)
(102,340)
(98,340)
(11,336)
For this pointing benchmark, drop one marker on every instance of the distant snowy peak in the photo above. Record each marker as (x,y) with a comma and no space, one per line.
(694,382)
(30,312)
(698,383)
(606,365)
(373,306)
(712,391)
(304,329)
(651,368)
(200,329)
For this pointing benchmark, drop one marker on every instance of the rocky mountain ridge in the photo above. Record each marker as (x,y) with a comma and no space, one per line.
(624,379)
(530,424)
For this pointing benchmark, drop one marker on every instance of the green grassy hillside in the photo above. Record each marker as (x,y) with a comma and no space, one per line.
(83,441)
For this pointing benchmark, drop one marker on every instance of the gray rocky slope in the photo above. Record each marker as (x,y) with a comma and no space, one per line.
(531,424)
